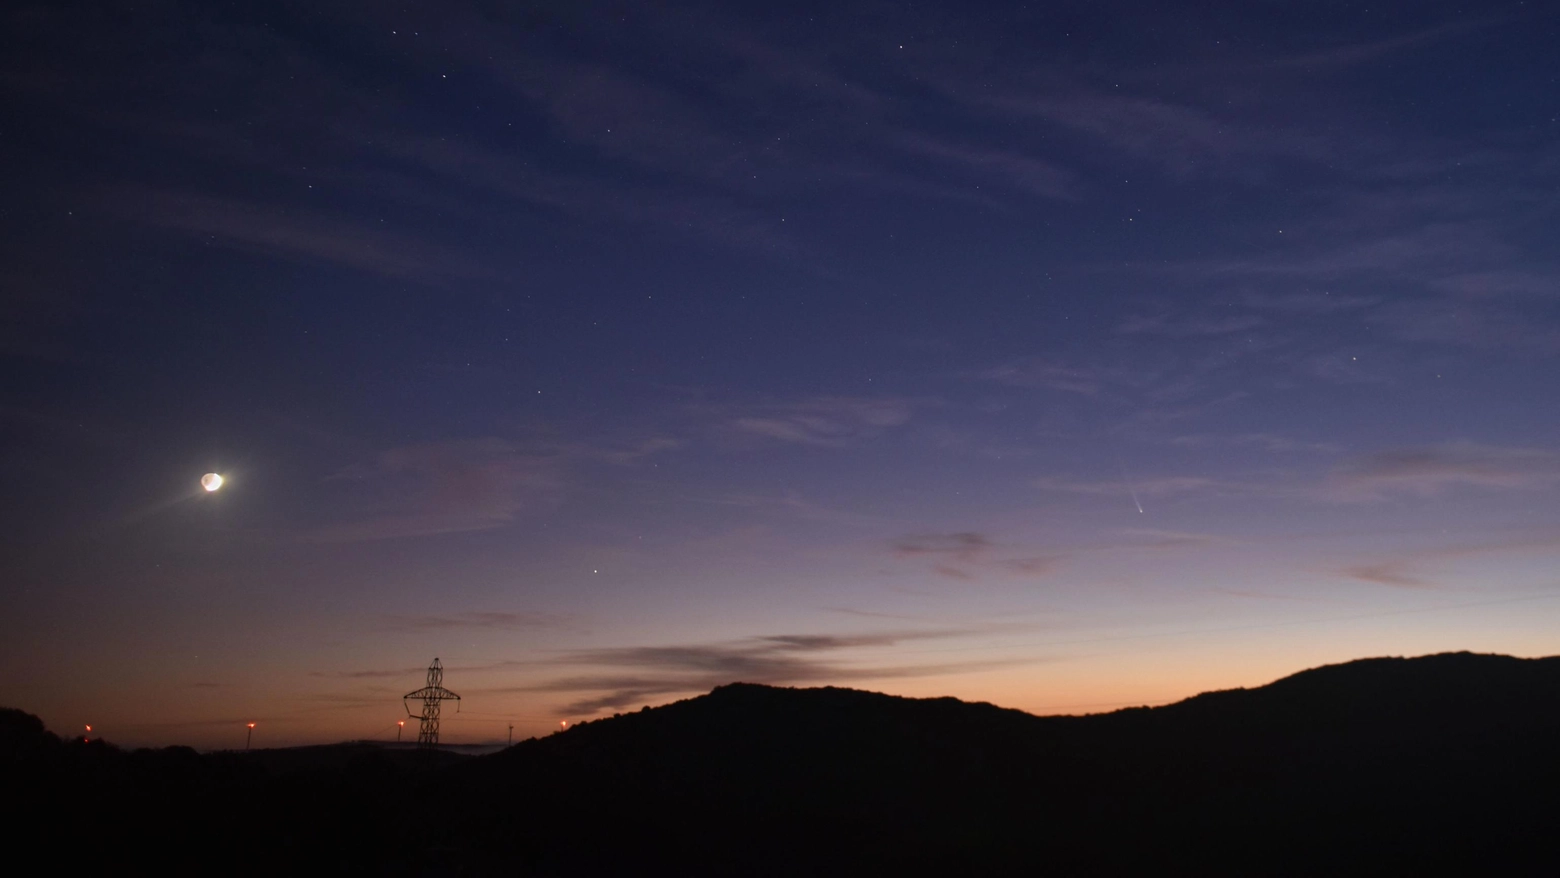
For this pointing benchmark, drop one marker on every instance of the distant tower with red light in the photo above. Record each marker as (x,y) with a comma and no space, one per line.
(431,696)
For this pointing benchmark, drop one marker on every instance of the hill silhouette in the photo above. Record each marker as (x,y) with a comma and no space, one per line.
(1380,765)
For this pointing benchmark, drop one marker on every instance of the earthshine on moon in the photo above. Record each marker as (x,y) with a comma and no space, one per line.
(211,482)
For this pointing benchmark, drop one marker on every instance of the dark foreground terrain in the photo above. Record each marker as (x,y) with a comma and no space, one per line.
(1447,763)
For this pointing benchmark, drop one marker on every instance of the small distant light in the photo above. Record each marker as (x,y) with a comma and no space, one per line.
(211,482)
(251,725)
(89,728)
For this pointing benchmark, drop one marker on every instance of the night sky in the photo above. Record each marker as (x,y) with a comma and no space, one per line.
(1061,355)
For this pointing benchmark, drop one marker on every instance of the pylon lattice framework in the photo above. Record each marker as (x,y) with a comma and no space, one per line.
(431,696)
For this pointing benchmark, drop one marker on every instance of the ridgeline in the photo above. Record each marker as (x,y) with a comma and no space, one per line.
(1445,762)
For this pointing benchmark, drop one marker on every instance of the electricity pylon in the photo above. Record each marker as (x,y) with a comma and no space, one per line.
(430,696)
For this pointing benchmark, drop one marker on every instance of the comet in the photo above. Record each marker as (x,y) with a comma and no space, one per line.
(1128,482)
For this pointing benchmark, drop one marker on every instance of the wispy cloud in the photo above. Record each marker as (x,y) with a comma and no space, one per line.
(675,211)
(1024,173)
(963,546)
(1492,283)
(1403,569)
(1427,472)
(461,485)
(1389,573)
(1181,138)
(967,556)
(1421,472)
(1187,328)
(369,674)
(1307,302)
(828,421)
(494,620)
(1158,538)
(1270,442)
(1041,565)
(445,487)
(1469,321)
(628,116)
(1362,52)
(293,234)
(1152,487)
(793,504)
(1456,274)
(1048,374)
(639,674)
(822,642)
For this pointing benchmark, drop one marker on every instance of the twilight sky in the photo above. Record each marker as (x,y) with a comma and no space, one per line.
(1061,355)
